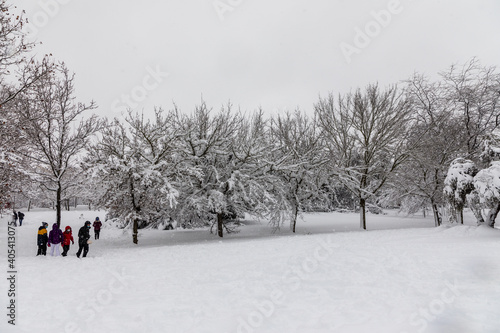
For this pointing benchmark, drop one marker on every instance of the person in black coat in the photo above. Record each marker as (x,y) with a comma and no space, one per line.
(42,239)
(14,218)
(21,218)
(83,238)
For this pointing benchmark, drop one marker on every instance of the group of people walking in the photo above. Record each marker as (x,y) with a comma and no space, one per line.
(17,216)
(56,237)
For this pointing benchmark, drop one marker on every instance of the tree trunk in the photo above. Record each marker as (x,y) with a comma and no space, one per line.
(460,213)
(437,216)
(220,232)
(475,207)
(478,214)
(135,231)
(451,213)
(58,204)
(137,210)
(424,211)
(295,213)
(493,215)
(362,213)
(29,205)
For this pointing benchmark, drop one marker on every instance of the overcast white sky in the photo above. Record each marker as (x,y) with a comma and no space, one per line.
(278,54)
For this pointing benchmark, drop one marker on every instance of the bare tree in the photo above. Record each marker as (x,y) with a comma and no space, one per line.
(136,163)
(474,93)
(437,140)
(228,156)
(206,143)
(301,156)
(13,51)
(13,44)
(54,131)
(366,134)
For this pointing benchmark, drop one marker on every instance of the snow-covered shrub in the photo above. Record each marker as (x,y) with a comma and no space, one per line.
(458,183)
(487,190)
(487,184)
(115,223)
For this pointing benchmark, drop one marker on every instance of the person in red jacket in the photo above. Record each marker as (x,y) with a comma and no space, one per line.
(97,227)
(67,239)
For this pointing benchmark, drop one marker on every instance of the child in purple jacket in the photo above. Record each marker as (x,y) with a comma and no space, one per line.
(55,238)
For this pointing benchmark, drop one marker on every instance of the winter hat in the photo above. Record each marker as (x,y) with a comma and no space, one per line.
(97,218)
(67,228)
(45,224)
(87,223)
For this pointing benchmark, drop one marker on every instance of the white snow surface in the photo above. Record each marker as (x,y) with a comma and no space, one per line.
(403,275)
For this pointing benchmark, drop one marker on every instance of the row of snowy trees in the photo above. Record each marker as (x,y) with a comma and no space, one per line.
(376,146)
(208,166)
(388,147)
(213,165)
(385,146)
(454,117)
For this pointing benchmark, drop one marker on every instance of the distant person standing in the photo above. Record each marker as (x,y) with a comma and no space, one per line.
(83,239)
(97,227)
(55,238)
(14,218)
(67,239)
(42,239)
(169,225)
(21,218)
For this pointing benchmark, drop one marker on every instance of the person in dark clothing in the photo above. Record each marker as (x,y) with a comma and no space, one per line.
(21,218)
(42,239)
(83,238)
(169,225)
(97,227)
(14,218)
(67,239)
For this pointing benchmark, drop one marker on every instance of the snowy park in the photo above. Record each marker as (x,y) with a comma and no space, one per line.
(403,275)
(249,166)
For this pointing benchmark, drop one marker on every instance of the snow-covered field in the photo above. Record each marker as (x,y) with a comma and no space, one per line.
(403,275)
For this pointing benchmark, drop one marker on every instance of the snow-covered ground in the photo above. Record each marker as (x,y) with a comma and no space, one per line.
(403,275)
